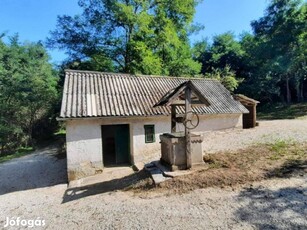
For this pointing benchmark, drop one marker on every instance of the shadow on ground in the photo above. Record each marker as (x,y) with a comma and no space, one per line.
(45,167)
(281,111)
(285,208)
(288,169)
(104,187)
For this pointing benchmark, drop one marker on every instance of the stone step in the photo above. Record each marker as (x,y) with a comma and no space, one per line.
(168,173)
(156,173)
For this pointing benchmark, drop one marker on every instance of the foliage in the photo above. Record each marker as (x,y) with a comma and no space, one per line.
(132,36)
(27,91)
(277,52)
(226,76)
(272,60)
(225,51)
(19,153)
(221,60)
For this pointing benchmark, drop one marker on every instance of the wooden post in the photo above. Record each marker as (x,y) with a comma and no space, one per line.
(187,131)
(173,117)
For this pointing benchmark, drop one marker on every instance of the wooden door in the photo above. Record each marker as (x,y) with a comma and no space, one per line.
(122,144)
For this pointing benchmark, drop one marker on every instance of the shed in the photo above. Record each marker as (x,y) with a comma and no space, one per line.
(249,119)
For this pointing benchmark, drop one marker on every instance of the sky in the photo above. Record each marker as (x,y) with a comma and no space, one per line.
(34,19)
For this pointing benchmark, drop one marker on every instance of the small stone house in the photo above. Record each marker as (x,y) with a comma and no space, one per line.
(110,119)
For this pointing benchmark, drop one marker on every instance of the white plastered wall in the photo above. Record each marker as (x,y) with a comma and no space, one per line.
(84,156)
(84,142)
(216,122)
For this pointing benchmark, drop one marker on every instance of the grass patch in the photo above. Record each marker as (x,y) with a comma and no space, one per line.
(278,149)
(19,153)
(60,132)
(255,163)
(283,111)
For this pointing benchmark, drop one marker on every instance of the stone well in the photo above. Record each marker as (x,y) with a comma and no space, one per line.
(173,152)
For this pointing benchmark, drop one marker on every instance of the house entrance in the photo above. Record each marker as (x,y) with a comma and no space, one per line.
(115,144)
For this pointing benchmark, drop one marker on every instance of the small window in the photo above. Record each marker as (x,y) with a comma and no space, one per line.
(149,133)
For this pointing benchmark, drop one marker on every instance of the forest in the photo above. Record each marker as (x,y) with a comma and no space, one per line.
(149,37)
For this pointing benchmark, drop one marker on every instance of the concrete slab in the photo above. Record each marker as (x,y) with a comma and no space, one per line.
(168,173)
(138,166)
(160,172)
(156,173)
(162,167)
(108,174)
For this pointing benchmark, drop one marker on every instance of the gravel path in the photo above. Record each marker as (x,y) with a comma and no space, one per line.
(37,170)
(274,204)
(39,191)
(266,132)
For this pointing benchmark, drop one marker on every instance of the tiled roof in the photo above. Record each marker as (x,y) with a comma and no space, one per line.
(97,94)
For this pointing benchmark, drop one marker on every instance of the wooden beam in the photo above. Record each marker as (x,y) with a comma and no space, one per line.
(173,117)
(175,96)
(188,110)
(198,94)
(178,93)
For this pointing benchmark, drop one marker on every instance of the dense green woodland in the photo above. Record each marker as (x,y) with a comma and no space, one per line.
(28,93)
(149,37)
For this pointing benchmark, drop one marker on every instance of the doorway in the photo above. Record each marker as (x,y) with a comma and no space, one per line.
(115,144)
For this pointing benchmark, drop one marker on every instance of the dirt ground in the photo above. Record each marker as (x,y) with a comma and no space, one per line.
(35,186)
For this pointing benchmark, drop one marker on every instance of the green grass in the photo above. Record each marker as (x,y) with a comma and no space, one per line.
(279,146)
(282,111)
(279,149)
(60,132)
(19,153)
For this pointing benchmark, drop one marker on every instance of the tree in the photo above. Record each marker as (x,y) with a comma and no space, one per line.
(224,51)
(259,80)
(132,36)
(222,60)
(272,60)
(281,34)
(27,90)
(226,76)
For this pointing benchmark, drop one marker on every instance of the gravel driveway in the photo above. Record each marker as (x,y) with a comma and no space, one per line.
(270,204)
(40,169)
(266,132)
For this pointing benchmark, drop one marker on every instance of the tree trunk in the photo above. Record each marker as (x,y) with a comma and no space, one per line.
(29,142)
(302,91)
(298,92)
(288,90)
(30,130)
